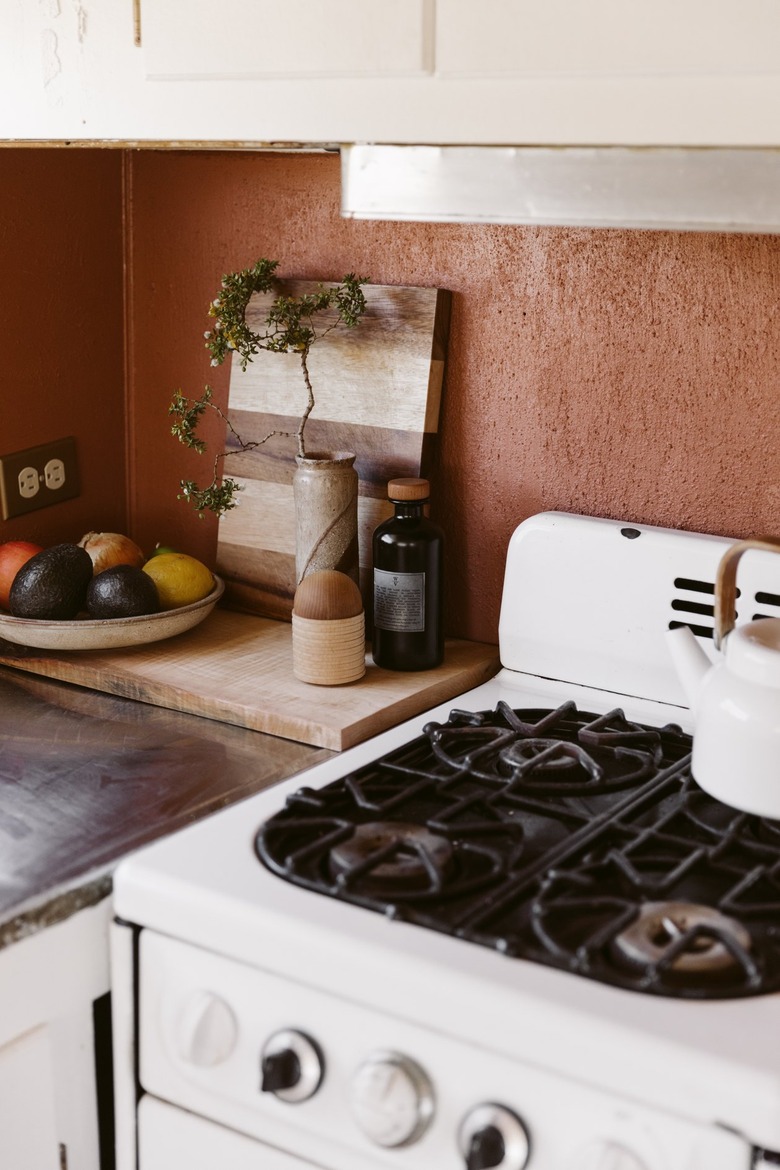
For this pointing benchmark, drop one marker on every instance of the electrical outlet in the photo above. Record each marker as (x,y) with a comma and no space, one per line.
(38,477)
(54,474)
(27,480)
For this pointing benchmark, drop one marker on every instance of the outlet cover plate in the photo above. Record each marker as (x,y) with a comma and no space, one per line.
(25,483)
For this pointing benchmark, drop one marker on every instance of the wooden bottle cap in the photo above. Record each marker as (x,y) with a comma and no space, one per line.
(408,489)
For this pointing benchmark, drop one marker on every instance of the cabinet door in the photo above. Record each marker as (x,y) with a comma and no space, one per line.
(193,39)
(28,1133)
(695,38)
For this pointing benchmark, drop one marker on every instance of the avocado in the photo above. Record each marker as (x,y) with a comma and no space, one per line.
(122,591)
(52,585)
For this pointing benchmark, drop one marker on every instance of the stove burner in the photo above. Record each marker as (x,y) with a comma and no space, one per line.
(391,855)
(525,756)
(683,939)
(558,751)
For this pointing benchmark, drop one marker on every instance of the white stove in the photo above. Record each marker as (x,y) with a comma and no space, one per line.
(512,932)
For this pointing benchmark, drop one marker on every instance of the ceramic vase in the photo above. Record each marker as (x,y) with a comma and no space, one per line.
(325,486)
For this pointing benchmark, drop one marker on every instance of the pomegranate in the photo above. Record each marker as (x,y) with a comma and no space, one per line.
(108,549)
(13,554)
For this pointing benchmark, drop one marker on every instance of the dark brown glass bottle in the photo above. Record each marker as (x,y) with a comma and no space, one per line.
(408,579)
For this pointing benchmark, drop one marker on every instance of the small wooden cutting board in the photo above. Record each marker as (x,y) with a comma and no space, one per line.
(378,390)
(237,668)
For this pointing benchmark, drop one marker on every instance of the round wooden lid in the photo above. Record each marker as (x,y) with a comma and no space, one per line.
(327,595)
(408,489)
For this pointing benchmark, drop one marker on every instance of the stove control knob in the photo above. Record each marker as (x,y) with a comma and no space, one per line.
(206,1030)
(605,1155)
(291,1066)
(391,1099)
(493,1136)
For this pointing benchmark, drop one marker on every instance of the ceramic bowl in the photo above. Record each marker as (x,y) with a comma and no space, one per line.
(108,633)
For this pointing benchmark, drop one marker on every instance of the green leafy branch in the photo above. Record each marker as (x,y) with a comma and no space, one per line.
(289,327)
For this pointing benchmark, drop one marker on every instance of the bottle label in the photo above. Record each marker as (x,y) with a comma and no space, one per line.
(399,601)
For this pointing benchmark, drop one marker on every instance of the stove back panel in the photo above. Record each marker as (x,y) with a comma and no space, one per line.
(588,600)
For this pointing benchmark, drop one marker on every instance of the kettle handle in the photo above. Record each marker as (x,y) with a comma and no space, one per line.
(726,582)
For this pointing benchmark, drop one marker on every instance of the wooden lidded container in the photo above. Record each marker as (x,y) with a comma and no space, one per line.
(328,630)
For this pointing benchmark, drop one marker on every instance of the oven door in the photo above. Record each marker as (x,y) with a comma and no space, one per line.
(168,1137)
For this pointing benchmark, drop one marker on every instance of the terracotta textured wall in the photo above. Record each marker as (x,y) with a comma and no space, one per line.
(614,373)
(61,291)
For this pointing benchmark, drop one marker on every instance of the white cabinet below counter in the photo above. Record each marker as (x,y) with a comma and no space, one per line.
(673,72)
(53,993)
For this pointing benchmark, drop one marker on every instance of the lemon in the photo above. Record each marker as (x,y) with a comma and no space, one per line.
(180,579)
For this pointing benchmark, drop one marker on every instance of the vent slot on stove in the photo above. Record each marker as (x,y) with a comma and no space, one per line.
(698,609)
(701,609)
(772,600)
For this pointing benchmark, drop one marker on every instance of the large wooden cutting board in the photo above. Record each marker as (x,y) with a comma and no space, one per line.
(237,668)
(378,390)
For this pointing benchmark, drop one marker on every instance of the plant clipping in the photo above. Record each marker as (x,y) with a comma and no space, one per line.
(290,327)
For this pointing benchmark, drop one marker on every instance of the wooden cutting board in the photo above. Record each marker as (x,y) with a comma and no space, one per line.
(378,390)
(237,668)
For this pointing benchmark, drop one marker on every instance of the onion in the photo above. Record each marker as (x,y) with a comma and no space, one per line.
(108,549)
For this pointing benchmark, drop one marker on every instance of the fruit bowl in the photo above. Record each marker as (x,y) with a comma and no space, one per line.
(108,633)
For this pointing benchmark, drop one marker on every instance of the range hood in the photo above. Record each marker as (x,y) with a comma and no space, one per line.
(670,188)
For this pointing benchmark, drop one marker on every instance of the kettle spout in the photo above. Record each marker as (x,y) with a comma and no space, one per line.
(691,662)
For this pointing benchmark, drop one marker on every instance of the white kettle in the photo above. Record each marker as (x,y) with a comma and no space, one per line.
(735,703)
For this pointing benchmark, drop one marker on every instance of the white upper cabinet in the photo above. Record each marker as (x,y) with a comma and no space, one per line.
(608,38)
(498,72)
(196,39)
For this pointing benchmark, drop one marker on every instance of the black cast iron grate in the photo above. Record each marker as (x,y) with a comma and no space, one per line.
(549,835)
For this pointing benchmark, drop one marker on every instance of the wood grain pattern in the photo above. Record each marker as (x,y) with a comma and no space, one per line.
(238,668)
(381,452)
(378,389)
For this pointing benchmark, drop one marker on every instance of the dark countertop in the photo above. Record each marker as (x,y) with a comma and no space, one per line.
(86,778)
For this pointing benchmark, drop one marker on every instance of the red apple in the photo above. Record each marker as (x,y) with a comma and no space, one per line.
(109,549)
(13,554)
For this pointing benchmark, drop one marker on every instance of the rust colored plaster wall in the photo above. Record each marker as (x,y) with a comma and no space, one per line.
(61,288)
(614,373)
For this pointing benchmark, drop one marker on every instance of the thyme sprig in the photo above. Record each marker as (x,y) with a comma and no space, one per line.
(219,495)
(289,327)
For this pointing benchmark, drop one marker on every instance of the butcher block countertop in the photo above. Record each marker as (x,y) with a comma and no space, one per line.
(89,773)
(238,668)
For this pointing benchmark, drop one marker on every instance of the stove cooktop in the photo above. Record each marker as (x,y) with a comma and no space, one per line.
(566,838)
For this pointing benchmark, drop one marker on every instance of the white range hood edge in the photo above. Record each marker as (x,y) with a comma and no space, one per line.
(729,189)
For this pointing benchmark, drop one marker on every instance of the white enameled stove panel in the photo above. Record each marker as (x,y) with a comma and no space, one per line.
(224,1083)
(714,1063)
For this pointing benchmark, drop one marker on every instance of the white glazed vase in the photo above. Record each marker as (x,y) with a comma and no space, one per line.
(325,487)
